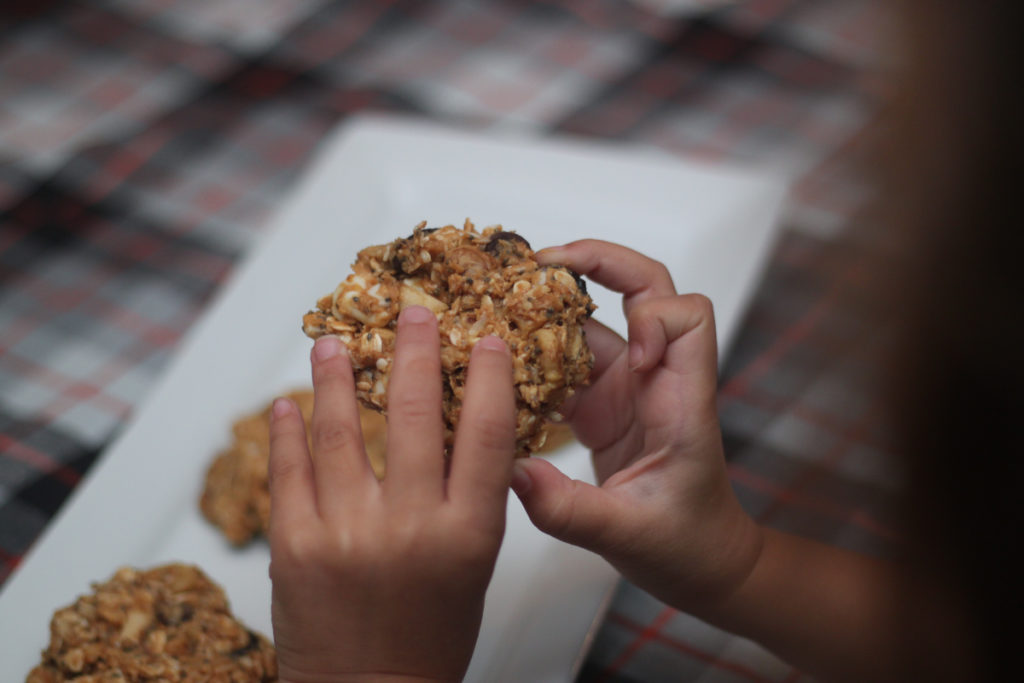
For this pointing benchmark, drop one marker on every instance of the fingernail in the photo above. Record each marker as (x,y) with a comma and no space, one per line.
(636,355)
(549,255)
(492,343)
(326,348)
(415,314)
(282,407)
(520,481)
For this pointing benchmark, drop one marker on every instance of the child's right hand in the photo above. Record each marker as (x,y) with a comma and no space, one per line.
(665,514)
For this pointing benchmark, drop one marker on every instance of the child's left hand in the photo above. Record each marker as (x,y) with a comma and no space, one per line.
(385,580)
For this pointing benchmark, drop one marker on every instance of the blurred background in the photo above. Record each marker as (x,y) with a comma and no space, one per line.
(144,144)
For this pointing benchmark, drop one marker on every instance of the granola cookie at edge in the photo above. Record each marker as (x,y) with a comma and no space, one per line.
(168,623)
(476,284)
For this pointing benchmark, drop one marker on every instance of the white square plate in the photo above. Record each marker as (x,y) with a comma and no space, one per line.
(374,180)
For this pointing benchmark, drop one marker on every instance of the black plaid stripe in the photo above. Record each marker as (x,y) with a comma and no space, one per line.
(40,469)
(14,182)
(218,166)
(702,54)
(711,91)
(115,294)
(82,75)
(245,26)
(503,60)
(52,223)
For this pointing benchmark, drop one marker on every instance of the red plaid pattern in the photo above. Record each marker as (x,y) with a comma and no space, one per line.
(144,144)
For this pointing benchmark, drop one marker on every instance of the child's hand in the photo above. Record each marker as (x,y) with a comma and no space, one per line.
(386,580)
(665,514)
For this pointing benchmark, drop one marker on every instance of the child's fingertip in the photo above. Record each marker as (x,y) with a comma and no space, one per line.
(549,255)
(492,343)
(415,315)
(520,481)
(281,408)
(636,355)
(326,347)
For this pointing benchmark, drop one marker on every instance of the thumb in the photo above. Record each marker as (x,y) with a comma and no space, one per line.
(567,509)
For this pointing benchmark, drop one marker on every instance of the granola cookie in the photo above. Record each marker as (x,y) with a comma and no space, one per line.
(236,496)
(476,283)
(169,623)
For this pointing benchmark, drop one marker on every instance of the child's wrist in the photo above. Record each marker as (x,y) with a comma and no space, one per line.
(749,555)
(732,570)
(747,550)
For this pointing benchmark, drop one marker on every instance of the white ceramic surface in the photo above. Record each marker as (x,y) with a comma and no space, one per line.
(373,181)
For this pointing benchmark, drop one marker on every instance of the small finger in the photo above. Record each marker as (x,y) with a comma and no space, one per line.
(485,440)
(415,450)
(621,269)
(677,331)
(340,464)
(608,347)
(676,336)
(289,470)
(606,344)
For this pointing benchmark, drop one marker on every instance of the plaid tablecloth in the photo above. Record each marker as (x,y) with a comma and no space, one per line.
(144,144)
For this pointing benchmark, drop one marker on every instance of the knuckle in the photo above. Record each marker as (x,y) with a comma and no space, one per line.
(411,538)
(470,542)
(482,533)
(700,303)
(560,514)
(414,408)
(574,523)
(279,469)
(331,374)
(291,549)
(334,435)
(492,432)
(417,530)
(347,549)
(644,312)
(661,272)
(471,558)
(284,438)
